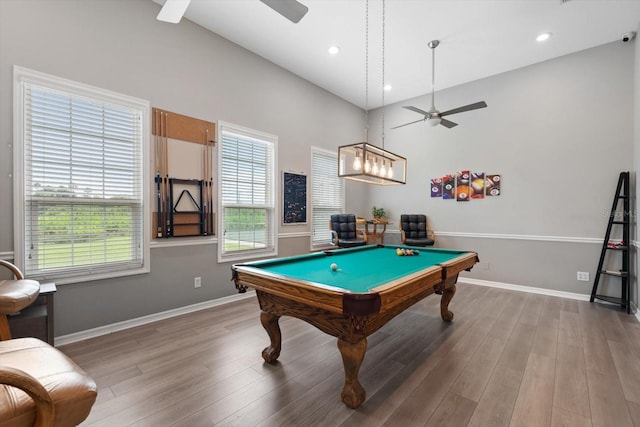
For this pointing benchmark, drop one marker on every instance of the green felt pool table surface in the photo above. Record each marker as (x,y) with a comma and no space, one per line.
(359,270)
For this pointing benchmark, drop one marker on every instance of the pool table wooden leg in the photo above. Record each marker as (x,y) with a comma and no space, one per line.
(353,393)
(447,294)
(270,324)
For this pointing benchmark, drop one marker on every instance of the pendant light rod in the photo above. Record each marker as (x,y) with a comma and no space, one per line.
(383,82)
(366,72)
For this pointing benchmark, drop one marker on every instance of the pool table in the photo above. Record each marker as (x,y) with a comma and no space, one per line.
(367,287)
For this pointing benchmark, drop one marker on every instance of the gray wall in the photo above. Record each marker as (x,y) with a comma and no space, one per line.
(559,132)
(119,45)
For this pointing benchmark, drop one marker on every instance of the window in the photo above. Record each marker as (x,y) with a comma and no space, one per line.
(79,180)
(327,195)
(247,217)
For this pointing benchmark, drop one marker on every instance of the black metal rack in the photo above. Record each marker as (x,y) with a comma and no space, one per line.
(615,218)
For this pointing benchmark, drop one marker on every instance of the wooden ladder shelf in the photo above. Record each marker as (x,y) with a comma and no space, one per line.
(622,193)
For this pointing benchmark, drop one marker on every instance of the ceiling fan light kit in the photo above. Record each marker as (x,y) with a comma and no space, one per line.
(434,117)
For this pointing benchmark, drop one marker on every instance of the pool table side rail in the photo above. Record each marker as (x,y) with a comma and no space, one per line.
(456,265)
(322,296)
(335,300)
(405,289)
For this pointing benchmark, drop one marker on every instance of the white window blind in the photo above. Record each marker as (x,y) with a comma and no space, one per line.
(327,194)
(82,183)
(247,216)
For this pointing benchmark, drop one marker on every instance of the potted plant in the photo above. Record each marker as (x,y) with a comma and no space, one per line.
(378,213)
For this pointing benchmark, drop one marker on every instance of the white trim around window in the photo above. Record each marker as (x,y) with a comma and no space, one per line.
(247,181)
(327,195)
(80,153)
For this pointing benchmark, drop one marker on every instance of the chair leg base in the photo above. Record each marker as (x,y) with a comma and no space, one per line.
(5,332)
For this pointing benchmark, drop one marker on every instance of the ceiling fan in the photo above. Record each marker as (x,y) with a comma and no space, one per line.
(173,10)
(433,116)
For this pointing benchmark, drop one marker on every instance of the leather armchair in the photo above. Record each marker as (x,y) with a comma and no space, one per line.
(14,296)
(415,231)
(40,386)
(344,231)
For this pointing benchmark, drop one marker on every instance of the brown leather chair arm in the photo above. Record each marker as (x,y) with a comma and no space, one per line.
(45,411)
(15,270)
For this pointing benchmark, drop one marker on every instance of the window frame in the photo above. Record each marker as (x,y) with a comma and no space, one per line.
(315,246)
(23,76)
(268,251)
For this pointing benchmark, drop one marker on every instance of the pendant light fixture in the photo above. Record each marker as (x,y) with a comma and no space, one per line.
(366,162)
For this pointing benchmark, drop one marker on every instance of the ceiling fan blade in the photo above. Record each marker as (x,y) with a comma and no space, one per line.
(447,123)
(469,107)
(290,9)
(410,123)
(173,10)
(419,111)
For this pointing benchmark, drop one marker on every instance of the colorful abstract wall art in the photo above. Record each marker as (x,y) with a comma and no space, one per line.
(463,189)
(477,185)
(492,185)
(448,187)
(465,185)
(436,187)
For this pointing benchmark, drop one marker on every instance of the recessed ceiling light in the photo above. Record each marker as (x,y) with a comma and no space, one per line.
(542,37)
(387,88)
(334,50)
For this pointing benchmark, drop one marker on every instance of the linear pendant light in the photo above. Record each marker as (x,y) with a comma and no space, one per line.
(366,162)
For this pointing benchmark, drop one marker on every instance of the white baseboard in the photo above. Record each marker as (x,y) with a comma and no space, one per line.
(540,291)
(522,288)
(119,326)
(139,321)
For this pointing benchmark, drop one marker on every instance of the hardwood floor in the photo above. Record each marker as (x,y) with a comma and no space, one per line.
(507,359)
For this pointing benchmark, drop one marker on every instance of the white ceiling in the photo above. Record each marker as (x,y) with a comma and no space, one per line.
(479,38)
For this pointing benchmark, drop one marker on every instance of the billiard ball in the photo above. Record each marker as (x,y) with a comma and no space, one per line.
(334,266)
(463,192)
(477,185)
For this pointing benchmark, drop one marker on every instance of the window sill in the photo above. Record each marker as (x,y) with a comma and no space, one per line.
(182,241)
(101,276)
(247,256)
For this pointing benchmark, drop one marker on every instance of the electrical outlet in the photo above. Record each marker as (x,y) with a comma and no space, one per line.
(197,282)
(583,276)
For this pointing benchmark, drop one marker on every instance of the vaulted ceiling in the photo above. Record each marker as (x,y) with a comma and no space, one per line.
(479,38)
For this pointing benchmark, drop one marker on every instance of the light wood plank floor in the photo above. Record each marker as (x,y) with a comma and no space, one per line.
(508,358)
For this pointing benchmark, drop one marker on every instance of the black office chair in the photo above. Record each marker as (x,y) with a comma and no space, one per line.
(344,232)
(415,231)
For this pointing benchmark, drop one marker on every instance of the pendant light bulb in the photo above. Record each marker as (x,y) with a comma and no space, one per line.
(390,170)
(367,165)
(357,163)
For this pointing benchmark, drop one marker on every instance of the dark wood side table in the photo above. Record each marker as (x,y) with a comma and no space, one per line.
(37,319)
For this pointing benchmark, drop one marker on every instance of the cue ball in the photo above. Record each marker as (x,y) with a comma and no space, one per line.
(334,266)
